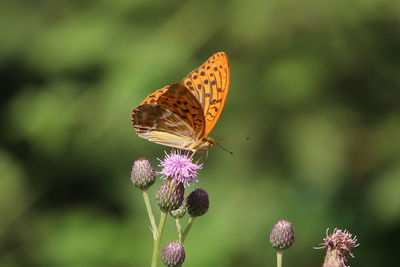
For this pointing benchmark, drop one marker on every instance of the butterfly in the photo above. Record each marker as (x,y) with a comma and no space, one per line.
(181,115)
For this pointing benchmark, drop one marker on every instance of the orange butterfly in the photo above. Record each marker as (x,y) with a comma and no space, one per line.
(181,115)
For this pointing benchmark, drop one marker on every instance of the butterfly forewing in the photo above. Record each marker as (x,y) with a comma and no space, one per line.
(152,98)
(181,102)
(209,83)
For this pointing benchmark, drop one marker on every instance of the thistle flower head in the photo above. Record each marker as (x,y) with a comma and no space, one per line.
(282,235)
(337,244)
(179,167)
(142,175)
(197,203)
(173,254)
(170,195)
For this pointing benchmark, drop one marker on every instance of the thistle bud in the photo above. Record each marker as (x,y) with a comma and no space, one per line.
(173,254)
(178,213)
(170,195)
(143,175)
(282,235)
(197,203)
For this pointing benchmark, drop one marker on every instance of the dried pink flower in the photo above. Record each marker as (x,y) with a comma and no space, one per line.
(337,244)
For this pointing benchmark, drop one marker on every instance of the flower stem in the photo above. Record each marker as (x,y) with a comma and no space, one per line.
(279,255)
(333,257)
(150,213)
(188,226)
(157,240)
(179,229)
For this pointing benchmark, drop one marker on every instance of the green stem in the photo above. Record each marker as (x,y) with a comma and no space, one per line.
(179,229)
(157,240)
(187,229)
(150,213)
(279,255)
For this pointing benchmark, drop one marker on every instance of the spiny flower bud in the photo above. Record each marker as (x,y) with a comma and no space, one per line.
(337,244)
(143,175)
(170,195)
(173,254)
(178,213)
(197,203)
(282,235)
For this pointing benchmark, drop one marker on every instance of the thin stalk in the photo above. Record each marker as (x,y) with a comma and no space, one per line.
(179,228)
(150,213)
(279,255)
(157,240)
(188,226)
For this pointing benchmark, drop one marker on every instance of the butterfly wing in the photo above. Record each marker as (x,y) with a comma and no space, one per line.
(152,98)
(161,126)
(178,99)
(209,83)
(174,119)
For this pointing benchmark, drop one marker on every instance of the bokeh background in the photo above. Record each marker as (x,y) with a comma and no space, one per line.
(315,85)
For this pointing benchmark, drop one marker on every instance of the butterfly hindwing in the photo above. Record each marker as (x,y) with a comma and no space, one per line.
(209,83)
(174,119)
(161,126)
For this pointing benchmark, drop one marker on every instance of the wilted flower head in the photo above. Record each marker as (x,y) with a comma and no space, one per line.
(173,254)
(282,235)
(197,203)
(179,167)
(337,244)
(142,175)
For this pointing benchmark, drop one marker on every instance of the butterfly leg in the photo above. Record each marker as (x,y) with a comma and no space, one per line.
(203,156)
(193,152)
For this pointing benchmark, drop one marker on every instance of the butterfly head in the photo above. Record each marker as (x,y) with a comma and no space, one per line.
(205,143)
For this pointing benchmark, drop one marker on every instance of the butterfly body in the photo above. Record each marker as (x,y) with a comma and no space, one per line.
(181,115)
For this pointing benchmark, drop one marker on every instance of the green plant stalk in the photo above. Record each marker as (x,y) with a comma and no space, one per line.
(279,255)
(150,213)
(332,258)
(187,229)
(179,228)
(157,240)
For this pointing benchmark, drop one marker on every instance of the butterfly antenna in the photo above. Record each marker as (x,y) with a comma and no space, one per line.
(223,148)
(234,138)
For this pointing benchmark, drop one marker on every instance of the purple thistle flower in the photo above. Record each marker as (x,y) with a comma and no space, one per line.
(179,167)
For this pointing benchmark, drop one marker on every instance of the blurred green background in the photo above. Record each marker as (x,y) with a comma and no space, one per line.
(315,85)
